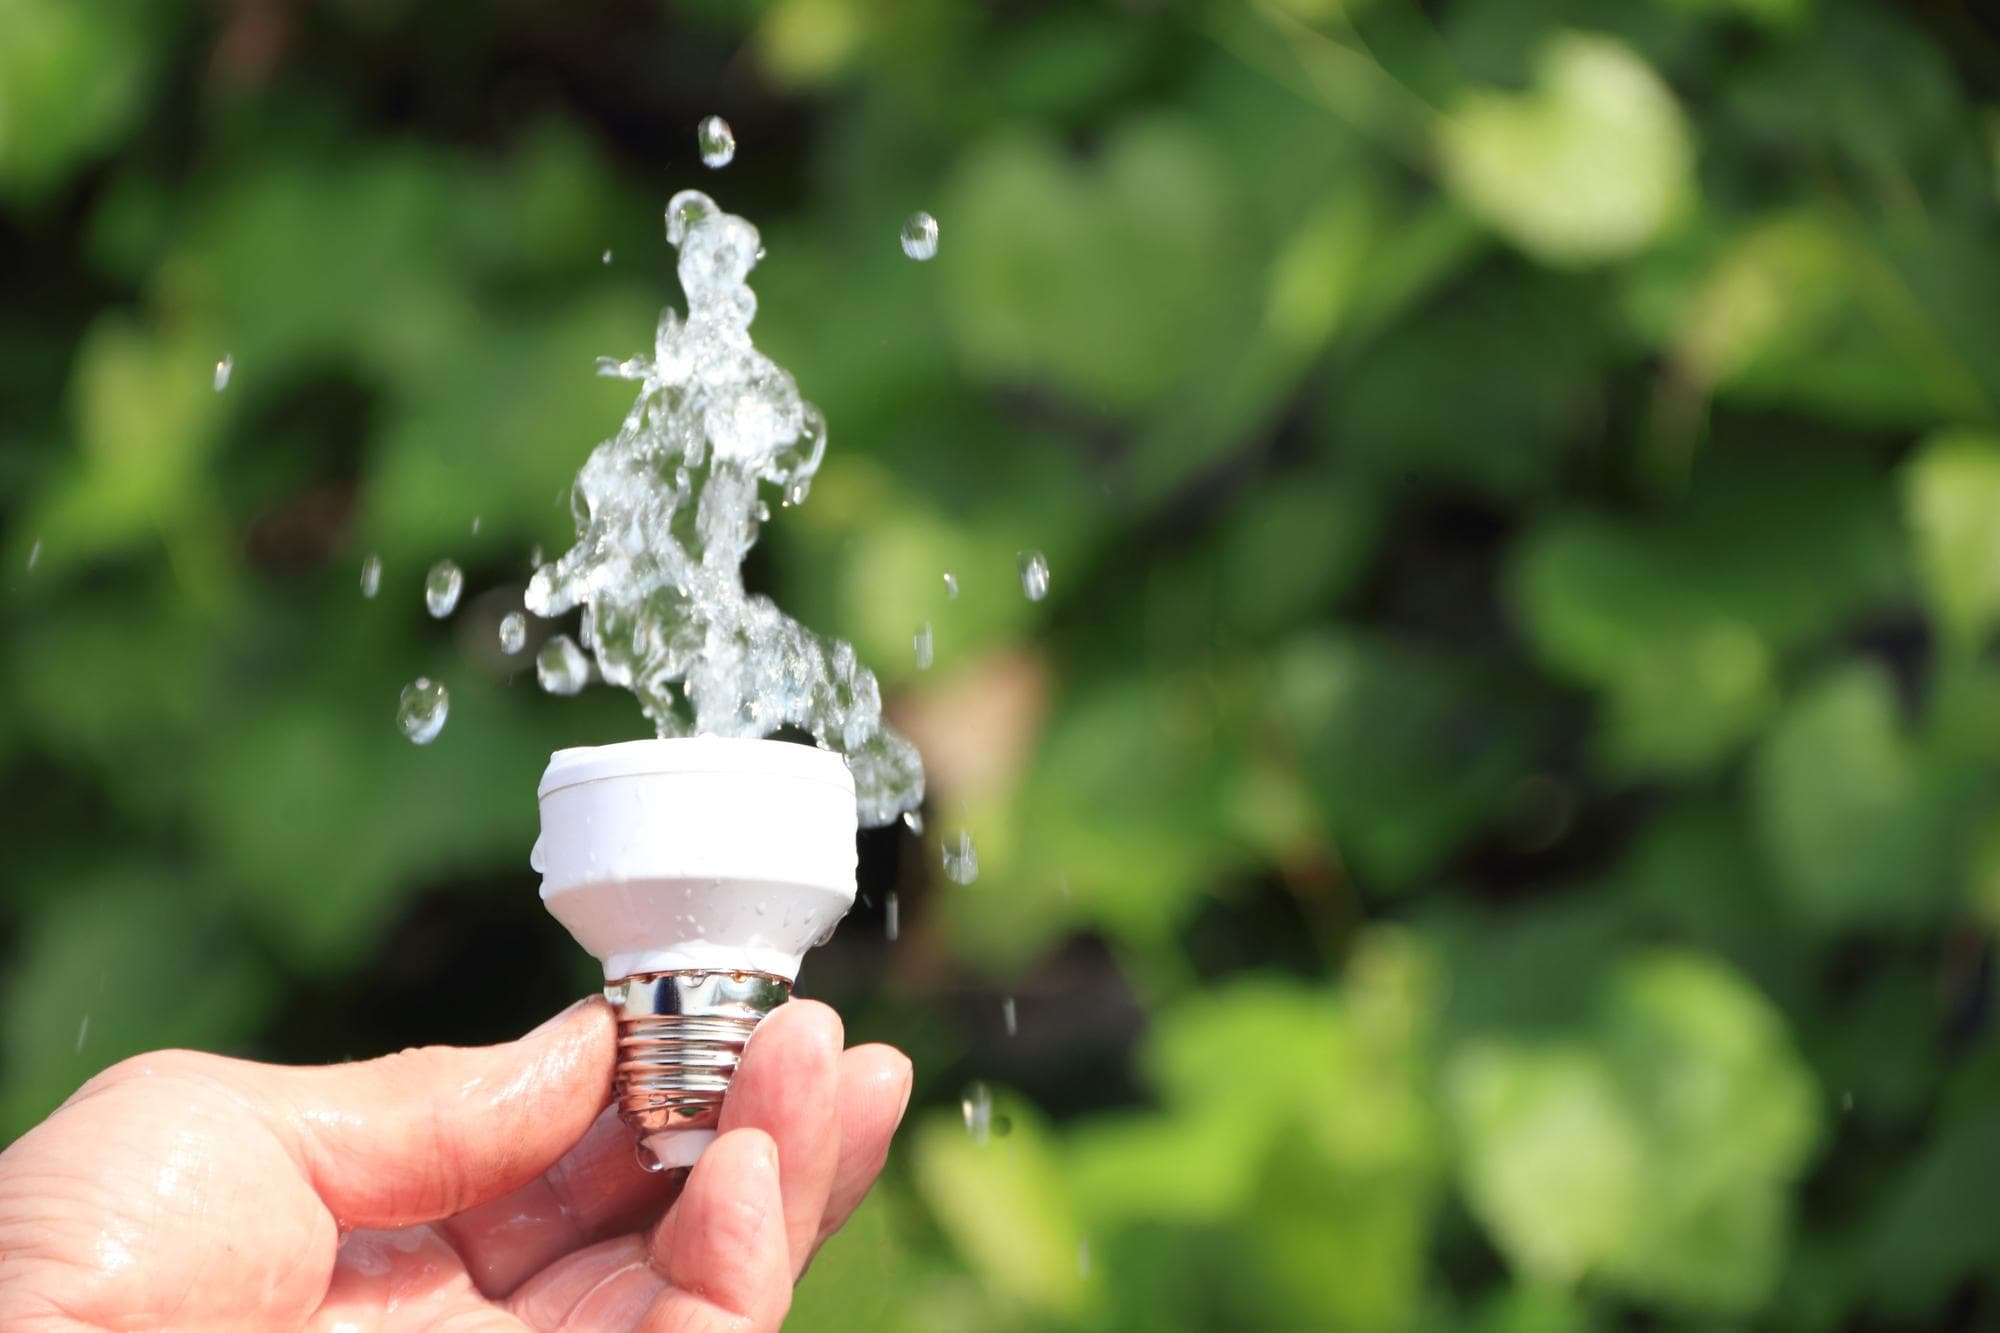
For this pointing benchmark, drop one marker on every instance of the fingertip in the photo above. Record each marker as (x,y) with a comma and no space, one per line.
(809,1024)
(878,1067)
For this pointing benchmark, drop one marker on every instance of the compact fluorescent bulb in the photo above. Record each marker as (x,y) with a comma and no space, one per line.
(698,871)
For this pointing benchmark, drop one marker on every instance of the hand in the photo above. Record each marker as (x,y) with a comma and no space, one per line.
(469,1189)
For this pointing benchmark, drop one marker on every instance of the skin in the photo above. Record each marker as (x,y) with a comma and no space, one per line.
(443,1188)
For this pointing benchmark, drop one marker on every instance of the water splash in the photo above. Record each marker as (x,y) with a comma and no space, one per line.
(716,141)
(668,507)
(441,588)
(421,711)
(920,236)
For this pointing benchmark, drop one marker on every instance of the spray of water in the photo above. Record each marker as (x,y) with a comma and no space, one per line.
(668,507)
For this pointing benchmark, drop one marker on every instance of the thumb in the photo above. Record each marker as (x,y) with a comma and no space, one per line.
(423,1134)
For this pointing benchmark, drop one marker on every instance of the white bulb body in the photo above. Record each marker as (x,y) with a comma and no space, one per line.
(699,853)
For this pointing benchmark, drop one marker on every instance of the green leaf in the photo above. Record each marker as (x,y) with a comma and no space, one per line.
(1107,282)
(74,74)
(1405,748)
(120,961)
(1006,1207)
(1592,165)
(1846,812)
(1680,622)
(1951,501)
(1653,1151)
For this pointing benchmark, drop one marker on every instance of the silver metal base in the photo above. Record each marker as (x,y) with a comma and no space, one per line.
(680,1035)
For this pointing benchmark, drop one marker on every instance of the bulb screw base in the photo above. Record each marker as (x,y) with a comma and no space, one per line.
(680,1035)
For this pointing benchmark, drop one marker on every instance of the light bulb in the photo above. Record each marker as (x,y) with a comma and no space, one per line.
(698,871)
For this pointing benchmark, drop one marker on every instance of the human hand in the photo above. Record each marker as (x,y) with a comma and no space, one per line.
(470,1189)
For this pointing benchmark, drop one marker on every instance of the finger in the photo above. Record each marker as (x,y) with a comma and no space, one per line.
(423,1134)
(875,1086)
(788,1085)
(598,1189)
(612,1285)
(403,1281)
(723,1248)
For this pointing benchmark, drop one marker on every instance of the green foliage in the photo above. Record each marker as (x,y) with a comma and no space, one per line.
(1494,828)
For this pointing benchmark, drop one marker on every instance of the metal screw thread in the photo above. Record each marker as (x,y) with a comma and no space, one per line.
(680,1036)
(673,1069)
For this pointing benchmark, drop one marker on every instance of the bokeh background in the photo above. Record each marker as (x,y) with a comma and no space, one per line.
(1493,826)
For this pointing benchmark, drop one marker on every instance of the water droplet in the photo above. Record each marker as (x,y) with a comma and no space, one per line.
(513,632)
(1846,1100)
(607,257)
(961,858)
(716,141)
(35,553)
(647,1161)
(1007,1016)
(923,642)
(890,925)
(82,1033)
(441,588)
(475,525)
(1034,575)
(913,820)
(950,586)
(535,557)
(422,709)
(977,1105)
(561,666)
(920,236)
(685,211)
(371,575)
(223,370)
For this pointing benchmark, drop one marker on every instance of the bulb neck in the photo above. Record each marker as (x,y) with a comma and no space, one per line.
(680,1036)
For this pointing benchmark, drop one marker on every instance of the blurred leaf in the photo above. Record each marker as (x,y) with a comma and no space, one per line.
(1592,165)
(1951,497)
(1004,1205)
(74,74)
(1801,309)
(122,961)
(1650,1153)
(1939,1226)
(1842,805)
(1107,284)
(1403,746)
(1680,622)
(1488,389)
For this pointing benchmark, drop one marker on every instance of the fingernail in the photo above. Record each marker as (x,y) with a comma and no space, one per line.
(549,1025)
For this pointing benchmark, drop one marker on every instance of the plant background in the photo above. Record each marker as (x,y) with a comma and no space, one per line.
(1493,827)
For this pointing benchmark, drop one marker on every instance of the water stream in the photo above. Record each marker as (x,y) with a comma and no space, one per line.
(667,509)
